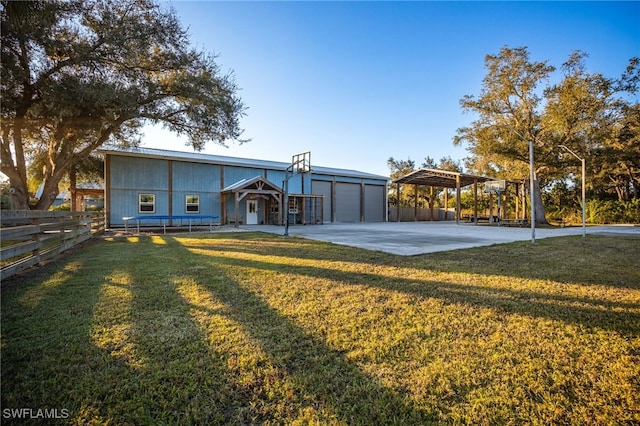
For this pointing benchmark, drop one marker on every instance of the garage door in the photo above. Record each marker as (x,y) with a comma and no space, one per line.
(320,187)
(347,202)
(374,206)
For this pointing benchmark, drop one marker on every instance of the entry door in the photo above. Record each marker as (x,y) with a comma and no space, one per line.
(252,212)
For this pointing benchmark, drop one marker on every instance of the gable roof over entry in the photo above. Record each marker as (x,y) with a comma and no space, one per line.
(257,184)
(251,187)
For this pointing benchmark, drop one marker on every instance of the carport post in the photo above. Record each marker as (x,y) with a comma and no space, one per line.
(398,203)
(237,207)
(415,203)
(522,200)
(446,204)
(475,201)
(431,202)
(457,199)
(517,203)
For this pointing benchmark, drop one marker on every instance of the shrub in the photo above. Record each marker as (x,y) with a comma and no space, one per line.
(613,211)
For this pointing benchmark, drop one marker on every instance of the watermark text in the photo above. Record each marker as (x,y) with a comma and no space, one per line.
(35,413)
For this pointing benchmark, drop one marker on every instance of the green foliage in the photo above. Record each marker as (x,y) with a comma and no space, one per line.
(398,169)
(564,202)
(247,328)
(80,74)
(594,116)
(65,207)
(613,211)
(615,164)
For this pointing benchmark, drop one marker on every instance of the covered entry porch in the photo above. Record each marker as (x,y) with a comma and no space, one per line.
(255,201)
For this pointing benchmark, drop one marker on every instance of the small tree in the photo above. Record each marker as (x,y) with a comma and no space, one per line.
(80,74)
(399,168)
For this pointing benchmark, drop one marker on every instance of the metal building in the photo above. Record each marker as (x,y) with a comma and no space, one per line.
(153,182)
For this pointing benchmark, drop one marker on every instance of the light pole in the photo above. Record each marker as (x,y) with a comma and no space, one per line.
(531,190)
(584,214)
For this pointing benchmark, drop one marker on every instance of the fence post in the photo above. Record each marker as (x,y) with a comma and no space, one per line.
(36,237)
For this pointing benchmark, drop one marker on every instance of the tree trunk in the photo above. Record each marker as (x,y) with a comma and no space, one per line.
(19,195)
(47,198)
(538,206)
(72,188)
(15,166)
(50,189)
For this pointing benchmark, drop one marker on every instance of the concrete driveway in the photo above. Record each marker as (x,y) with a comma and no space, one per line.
(412,238)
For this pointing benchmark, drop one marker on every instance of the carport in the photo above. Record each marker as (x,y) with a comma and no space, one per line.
(443,179)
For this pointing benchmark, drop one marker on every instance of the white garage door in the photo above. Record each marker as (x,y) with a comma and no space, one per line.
(374,205)
(347,202)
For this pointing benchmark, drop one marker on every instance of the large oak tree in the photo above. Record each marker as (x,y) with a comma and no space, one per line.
(77,75)
(508,111)
(517,105)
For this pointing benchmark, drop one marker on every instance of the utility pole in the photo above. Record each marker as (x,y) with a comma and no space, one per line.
(531,183)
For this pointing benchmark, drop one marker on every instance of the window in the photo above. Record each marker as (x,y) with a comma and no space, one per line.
(193,204)
(146,203)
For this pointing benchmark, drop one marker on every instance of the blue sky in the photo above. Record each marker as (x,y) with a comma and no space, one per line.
(358,82)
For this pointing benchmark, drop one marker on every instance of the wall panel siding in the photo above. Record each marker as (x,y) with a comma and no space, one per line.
(276,177)
(348,179)
(233,174)
(319,177)
(126,204)
(347,202)
(374,182)
(139,173)
(347,198)
(196,177)
(130,176)
(209,203)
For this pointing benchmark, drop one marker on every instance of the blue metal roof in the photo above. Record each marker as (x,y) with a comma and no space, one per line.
(232,161)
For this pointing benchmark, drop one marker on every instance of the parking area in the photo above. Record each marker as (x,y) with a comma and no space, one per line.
(412,238)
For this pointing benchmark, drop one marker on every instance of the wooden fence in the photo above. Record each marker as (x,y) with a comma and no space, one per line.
(410,214)
(28,238)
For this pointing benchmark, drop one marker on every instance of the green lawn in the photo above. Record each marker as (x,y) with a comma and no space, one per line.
(250,328)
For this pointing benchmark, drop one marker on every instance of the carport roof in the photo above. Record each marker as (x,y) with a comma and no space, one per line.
(440,178)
